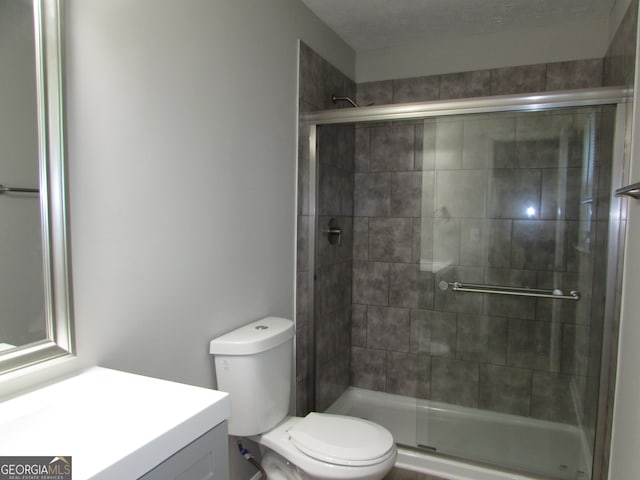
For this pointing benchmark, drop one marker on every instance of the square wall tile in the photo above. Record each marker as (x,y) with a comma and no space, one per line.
(409,287)
(361,238)
(375,93)
(428,195)
(465,85)
(345,147)
(362,151)
(358,325)
(482,338)
(455,381)
(329,196)
(346,185)
(575,350)
(481,137)
(422,241)
(328,289)
(485,242)
(539,245)
(390,239)
(445,242)
(506,305)
(535,345)
(435,332)
(425,155)
(521,79)
(332,381)
(402,374)
(461,193)
(416,89)
(388,328)
(539,137)
(370,283)
(406,194)
(372,194)
(392,148)
(514,193)
(448,142)
(575,74)
(368,368)
(561,195)
(551,398)
(504,389)
(311,71)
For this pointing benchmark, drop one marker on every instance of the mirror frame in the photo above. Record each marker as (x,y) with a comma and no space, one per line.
(53,196)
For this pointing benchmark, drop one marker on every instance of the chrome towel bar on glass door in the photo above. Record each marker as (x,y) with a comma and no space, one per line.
(501,290)
(629,191)
(4,189)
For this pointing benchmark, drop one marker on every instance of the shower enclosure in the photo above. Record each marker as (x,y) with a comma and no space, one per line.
(464,258)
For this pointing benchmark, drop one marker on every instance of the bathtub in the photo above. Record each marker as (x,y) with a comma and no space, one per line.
(421,427)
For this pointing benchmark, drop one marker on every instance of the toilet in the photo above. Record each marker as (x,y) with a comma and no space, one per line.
(254,365)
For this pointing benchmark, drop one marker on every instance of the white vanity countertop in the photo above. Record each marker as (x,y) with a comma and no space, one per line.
(113,424)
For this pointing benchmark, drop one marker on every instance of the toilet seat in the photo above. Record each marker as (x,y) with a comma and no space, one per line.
(279,441)
(341,440)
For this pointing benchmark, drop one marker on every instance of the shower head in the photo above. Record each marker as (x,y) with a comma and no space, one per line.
(335,99)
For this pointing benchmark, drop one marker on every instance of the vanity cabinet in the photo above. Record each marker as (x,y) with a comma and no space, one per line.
(119,425)
(206,458)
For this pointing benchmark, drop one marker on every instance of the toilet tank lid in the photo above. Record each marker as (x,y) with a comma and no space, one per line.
(256,337)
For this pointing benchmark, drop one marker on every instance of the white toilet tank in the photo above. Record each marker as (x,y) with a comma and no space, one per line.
(253,364)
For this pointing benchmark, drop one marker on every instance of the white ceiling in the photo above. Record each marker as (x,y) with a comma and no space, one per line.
(373,24)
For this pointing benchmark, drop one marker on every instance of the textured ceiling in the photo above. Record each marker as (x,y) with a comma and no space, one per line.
(372,24)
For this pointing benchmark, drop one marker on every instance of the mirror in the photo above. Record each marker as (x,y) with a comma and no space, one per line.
(35,303)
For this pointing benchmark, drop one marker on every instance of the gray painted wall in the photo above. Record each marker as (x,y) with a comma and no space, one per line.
(182,162)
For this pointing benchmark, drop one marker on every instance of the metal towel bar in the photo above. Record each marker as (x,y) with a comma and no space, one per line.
(632,190)
(501,290)
(4,189)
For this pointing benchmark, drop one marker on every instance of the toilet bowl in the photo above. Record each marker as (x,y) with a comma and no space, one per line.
(327,447)
(254,365)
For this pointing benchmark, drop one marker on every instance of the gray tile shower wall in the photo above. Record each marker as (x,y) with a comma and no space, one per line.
(458,189)
(327,290)
(498,81)
(333,263)
(388,241)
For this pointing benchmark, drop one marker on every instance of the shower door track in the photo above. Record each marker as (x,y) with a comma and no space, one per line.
(499,103)
(531,102)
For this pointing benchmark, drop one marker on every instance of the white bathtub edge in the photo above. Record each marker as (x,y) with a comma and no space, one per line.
(449,469)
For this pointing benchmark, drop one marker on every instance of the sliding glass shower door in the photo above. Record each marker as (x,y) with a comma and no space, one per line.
(514,229)
(464,261)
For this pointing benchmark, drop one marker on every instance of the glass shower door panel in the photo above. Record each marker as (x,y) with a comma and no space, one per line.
(514,200)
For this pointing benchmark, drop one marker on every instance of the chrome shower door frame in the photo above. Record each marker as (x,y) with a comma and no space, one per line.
(618,96)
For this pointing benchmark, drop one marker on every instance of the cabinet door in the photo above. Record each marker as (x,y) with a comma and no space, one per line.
(206,458)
